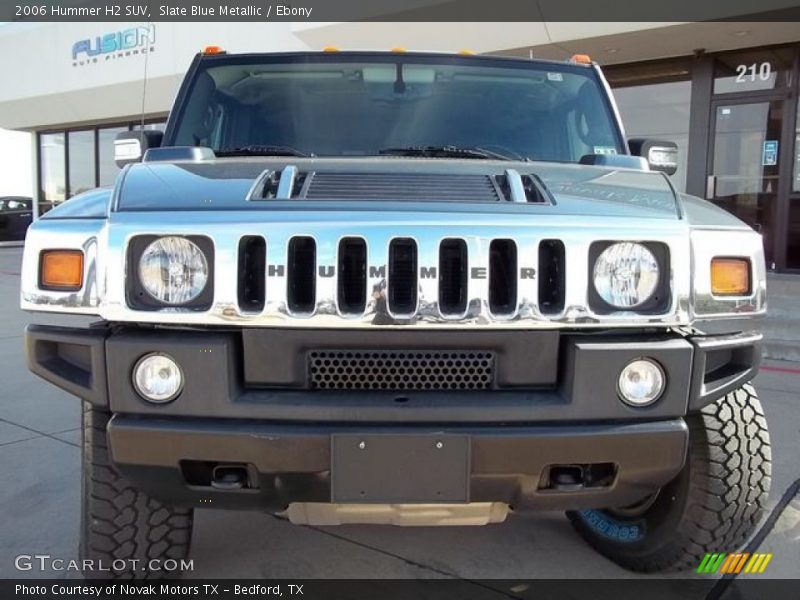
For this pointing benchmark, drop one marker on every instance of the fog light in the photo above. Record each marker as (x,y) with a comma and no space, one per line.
(641,382)
(157,378)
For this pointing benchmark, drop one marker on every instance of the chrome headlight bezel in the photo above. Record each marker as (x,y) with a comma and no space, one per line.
(659,299)
(140,298)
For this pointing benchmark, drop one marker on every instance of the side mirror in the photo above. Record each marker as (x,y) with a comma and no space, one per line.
(660,155)
(130,146)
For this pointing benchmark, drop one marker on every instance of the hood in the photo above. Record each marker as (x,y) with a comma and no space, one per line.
(384,183)
(92,204)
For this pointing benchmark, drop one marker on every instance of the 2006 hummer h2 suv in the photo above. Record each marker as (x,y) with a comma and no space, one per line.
(404,288)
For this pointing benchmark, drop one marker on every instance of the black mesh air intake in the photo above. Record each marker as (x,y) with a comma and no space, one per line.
(401,370)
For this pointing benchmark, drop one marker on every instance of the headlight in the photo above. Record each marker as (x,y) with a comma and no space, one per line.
(626,274)
(157,378)
(173,270)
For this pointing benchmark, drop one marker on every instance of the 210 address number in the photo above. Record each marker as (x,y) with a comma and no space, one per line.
(745,73)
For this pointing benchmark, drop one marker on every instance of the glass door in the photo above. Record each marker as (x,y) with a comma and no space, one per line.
(744,167)
(793,237)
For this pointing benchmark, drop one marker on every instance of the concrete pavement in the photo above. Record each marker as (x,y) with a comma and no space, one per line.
(40,468)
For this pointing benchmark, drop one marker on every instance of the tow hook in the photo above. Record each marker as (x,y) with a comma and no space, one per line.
(229,477)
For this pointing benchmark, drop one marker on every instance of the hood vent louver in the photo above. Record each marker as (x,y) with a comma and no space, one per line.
(291,183)
(278,185)
(401,186)
(523,188)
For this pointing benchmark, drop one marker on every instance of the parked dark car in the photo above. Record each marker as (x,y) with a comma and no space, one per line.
(16,213)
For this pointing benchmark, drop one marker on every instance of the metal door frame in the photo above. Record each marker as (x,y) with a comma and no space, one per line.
(781,204)
(785,152)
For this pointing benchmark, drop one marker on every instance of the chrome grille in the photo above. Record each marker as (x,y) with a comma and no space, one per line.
(401,370)
(400,280)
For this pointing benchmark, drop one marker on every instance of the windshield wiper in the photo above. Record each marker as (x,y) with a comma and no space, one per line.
(262,150)
(449,151)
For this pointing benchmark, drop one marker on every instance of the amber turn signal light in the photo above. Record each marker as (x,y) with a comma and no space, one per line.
(61,270)
(730,276)
(581,59)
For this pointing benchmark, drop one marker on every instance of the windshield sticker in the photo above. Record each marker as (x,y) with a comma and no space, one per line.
(555,77)
(605,150)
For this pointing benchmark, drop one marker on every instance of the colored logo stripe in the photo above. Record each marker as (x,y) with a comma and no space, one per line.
(711,563)
(722,562)
(758,563)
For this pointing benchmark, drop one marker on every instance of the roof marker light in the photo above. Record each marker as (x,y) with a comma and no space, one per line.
(209,50)
(466,52)
(399,50)
(330,49)
(581,59)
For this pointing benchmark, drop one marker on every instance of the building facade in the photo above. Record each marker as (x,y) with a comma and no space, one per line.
(726,93)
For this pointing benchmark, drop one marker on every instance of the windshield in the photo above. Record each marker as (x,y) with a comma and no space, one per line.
(332,106)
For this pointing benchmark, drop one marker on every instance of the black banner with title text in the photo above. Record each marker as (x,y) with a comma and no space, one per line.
(400,10)
(390,589)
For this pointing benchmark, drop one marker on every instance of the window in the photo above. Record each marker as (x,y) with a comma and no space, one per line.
(549,112)
(654,101)
(108,169)
(82,175)
(793,240)
(157,126)
(753,70)
(796,169)
(52,182)
(74,161)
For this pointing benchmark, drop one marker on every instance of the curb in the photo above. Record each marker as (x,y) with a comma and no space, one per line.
(788,350)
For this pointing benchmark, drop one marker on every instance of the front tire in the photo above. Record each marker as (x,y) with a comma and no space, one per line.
(713,505)
(122,528)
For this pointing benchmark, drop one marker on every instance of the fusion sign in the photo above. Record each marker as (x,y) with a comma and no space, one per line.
(118,44)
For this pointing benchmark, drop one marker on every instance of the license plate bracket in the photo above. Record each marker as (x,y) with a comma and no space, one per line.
(399,468)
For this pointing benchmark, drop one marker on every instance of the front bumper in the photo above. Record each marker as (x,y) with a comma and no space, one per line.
(554,409)
(173,459)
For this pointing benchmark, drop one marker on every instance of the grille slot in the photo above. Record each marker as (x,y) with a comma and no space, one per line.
(252,267)
(352,271)
(402,282)
(453,276)
(402,186)
(552,276)
(502,277)
(427,370)
(301,280)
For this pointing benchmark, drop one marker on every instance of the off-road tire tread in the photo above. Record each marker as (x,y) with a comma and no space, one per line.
(731,470)
(118,520)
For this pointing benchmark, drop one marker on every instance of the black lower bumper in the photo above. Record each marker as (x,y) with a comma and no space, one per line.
(553,434)
(610,464)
